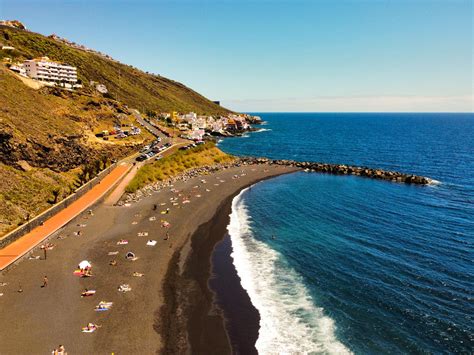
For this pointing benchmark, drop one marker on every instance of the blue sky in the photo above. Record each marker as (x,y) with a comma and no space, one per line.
(347,55)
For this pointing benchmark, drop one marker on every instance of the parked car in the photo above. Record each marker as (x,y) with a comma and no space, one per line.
(141,157)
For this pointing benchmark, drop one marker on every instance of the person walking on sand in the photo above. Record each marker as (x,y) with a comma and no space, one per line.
(45,281)
(167,236)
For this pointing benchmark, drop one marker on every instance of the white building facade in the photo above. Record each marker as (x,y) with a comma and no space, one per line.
(51,72)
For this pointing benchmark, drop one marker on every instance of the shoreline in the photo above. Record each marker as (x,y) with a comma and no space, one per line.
(191,303)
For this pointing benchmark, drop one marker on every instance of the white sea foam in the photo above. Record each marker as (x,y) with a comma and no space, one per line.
(434,182)
(290,322)
(263,130)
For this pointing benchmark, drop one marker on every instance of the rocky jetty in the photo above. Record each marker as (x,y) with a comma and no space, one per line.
(336,169)
(340,169)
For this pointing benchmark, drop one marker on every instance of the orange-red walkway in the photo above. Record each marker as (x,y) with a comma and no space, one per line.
(23,245)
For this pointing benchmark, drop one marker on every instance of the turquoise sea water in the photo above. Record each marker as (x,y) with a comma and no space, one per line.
(347,264)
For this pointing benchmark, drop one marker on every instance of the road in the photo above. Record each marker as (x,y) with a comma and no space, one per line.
(153,130)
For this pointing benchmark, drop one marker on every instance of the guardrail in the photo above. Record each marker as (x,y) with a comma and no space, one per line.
(41,218)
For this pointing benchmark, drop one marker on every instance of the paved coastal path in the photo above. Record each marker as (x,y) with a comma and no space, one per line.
(20,247)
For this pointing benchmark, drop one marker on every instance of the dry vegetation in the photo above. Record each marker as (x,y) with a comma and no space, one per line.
(207,154)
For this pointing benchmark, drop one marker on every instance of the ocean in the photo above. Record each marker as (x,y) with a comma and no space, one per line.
(345,264)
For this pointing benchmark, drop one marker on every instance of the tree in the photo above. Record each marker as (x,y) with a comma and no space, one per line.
(55,191)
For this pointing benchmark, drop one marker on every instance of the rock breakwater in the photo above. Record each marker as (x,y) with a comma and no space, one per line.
(341,169)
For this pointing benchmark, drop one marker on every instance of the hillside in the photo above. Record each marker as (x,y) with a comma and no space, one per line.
(46,140)
(125,83)
(47,136)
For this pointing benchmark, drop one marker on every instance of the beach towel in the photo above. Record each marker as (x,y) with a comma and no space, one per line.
(134,222)
(112,253)
(89,330)
(122,242)
(103,306)
(124,288)
(151,243)
(137,274)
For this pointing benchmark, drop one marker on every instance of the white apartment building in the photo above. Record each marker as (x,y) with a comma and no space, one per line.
(18,68)
(51,72)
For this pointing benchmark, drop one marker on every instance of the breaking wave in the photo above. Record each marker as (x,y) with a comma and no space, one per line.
(290,322)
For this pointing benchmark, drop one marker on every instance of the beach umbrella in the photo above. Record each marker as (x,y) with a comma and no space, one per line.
(84,264)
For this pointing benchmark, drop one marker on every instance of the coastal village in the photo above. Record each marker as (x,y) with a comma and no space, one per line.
(45,71)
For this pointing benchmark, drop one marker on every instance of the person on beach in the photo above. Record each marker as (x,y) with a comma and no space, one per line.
(167,236)
(155,207)
(45,281)
(59,351)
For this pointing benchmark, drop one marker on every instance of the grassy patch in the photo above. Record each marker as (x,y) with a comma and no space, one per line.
(207,154)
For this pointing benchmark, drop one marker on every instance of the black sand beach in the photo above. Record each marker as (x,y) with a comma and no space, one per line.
(153,316)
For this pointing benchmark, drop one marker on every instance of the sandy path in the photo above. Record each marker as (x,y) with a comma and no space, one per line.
(39,319)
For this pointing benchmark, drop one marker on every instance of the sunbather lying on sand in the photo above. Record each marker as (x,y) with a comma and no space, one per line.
(90,328)
(88,293)
(124,288)
(103,306)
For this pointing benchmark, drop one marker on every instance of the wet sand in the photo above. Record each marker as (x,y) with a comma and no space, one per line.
(153,316)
